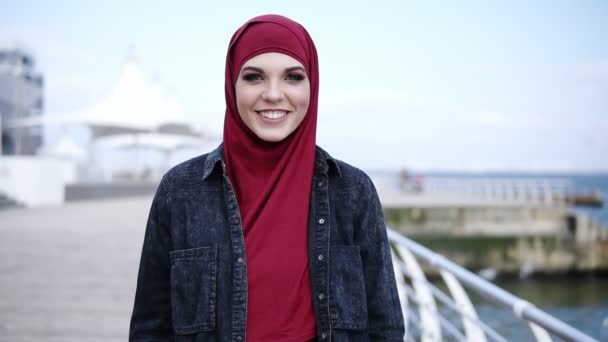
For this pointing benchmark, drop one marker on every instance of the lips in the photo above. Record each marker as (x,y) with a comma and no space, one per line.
(272,114)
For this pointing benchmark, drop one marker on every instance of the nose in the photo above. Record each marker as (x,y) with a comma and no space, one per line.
(273,91)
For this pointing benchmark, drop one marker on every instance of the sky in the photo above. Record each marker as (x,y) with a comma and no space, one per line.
(426,85)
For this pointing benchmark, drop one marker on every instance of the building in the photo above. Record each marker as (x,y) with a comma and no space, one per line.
(21,97)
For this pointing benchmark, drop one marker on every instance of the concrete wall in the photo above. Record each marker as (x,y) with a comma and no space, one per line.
(476,220)
(35,181)
(507,239)
(85,191)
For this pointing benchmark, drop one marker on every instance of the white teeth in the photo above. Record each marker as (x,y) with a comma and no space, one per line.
(273,115)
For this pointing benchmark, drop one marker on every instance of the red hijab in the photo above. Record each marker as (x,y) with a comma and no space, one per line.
(272,181)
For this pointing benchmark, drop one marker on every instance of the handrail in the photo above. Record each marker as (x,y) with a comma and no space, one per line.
(453,331)
(449,303)
(520,307)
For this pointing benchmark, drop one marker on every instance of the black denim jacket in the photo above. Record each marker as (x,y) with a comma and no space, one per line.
(192,282)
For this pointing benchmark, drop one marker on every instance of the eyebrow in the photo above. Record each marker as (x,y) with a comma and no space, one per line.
(290,69)
(253,69)
(295,68)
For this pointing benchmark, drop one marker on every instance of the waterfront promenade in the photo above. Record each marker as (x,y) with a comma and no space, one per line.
(68,273)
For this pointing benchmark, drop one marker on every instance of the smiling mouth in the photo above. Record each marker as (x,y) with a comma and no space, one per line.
(272,114)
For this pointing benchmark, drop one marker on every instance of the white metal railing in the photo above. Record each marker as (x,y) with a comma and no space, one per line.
(530,190)
(432,324)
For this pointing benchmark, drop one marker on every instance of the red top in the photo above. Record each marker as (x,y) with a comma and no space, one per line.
(272,181)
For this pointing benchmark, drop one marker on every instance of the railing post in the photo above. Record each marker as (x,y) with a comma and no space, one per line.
(521,308)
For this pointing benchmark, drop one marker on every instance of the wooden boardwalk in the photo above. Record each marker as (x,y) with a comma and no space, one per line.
(69,273)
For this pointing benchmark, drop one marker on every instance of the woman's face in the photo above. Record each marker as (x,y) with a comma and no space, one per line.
(272,95)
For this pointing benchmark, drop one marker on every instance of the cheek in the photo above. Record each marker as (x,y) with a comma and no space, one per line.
(244,100)
(307,99)
(304,99)
(303,103)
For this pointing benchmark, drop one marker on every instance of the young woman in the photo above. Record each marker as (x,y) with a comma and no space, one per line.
(267,238)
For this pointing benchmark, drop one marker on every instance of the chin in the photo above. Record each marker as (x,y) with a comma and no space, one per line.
(271,136)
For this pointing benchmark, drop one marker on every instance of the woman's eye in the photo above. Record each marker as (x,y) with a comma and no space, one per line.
(295,77)
(252,77)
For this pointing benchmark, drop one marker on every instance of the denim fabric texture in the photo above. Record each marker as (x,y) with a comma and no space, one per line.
(192,281)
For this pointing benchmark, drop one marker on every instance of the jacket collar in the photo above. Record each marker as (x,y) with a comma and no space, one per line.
(323,162)
(214,158)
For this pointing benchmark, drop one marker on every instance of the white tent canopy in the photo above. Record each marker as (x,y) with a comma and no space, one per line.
(134,104)
(66,148)
(157,141)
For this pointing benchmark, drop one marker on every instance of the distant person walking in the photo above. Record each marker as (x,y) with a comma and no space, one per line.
(267,238)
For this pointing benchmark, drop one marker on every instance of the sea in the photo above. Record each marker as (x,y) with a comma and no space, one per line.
(580,300)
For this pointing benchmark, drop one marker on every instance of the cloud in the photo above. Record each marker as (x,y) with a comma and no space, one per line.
(332,99)
(493,119)
(70,79)
(48,47)
(593,71)
(590,78)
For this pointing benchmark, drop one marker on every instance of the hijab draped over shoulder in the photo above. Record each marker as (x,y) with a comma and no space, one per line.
(272,182)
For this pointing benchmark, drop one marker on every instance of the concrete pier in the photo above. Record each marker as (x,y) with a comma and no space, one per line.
(69,273)
(508,236)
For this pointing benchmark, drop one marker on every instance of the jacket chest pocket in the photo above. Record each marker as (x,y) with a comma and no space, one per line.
(348,300)
(193,289)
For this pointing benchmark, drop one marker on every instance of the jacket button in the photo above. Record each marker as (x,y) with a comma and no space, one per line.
(239,338)
(320,257)
(239,260)
(321,221)
(323,335)
(320,184)
(321,296)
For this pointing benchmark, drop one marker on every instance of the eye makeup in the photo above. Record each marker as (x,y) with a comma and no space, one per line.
(252,77)
(253,74)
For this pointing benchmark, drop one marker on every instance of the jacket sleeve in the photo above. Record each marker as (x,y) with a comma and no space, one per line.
(151,317)
(385,318)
